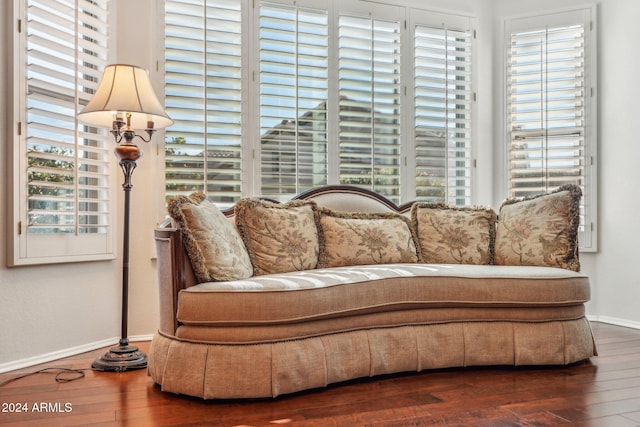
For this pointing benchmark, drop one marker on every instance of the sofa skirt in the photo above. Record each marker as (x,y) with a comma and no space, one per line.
(230,371)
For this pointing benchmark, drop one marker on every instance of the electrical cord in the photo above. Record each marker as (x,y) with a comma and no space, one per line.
(64,375)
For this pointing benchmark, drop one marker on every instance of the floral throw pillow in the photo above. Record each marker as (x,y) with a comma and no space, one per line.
(279,237)
(213,245)
(540,230)
(450,235)
(365,238)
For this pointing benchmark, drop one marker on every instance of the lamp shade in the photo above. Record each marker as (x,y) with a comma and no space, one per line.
(125,89)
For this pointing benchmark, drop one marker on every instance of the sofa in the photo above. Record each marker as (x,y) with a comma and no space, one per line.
(268,298)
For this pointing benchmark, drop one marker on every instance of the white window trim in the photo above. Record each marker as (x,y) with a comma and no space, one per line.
(588,240)
(48,249)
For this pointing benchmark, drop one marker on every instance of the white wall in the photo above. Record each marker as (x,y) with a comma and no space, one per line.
(49,311)
(615,284)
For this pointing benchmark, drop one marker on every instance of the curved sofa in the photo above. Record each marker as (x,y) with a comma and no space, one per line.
(274,334)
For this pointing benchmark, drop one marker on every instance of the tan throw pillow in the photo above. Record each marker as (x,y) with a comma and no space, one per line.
(540,230)
(213,245)
(365,238)
(450,235)
(279,237)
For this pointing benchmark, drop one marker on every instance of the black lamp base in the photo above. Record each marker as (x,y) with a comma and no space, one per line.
(120,359)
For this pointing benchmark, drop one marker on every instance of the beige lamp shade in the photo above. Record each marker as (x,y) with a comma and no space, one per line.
(125,89)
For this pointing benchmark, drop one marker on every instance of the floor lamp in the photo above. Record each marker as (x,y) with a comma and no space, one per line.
(125,101)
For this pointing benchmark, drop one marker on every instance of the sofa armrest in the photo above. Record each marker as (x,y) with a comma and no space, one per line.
(171,274)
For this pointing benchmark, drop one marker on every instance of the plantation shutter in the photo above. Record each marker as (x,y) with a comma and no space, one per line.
(68,202)
(442,102)
(551,114)
(203,57)
(546,109)
(293,98)
(327,94)
(369,100)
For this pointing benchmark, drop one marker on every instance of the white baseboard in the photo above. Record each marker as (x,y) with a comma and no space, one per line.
(55,355)
(614,321)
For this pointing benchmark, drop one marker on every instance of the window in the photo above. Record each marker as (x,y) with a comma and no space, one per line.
(442,103)
(293,98)
(308,93)
(203,83)
(370,90)
(62,190)
(551,108)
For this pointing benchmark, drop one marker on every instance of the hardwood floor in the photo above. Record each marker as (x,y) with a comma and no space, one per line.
(604,391)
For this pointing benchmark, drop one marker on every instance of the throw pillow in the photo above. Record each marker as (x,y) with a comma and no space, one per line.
(213,245)
(540,230)
(451,235)
(365,238)
(279,237)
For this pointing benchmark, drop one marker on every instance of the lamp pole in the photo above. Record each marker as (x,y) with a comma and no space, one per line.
(124,357)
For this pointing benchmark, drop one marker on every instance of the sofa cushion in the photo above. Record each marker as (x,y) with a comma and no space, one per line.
(279,237)
(345,291)
(350,238)
(451,235)
(213,245)
(540,230)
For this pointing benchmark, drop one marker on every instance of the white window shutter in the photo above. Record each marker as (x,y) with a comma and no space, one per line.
(326,98)
(551,124)
(203,85)
(546,103)
(443,104)
(69,195)
(369,102)
(293,98)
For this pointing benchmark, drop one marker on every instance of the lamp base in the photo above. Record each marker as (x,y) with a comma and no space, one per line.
(120,359)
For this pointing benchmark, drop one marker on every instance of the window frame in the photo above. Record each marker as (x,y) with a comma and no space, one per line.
(588,234)
(24,248)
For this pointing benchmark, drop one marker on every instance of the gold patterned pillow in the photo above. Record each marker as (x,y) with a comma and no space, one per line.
(365,238)
(279,237)
(540,230)
(450,235)
(213,245)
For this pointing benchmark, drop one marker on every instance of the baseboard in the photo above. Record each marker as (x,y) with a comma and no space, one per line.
(614,321)
(55,355)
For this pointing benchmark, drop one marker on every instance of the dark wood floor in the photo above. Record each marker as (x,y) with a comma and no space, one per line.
(602,392)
